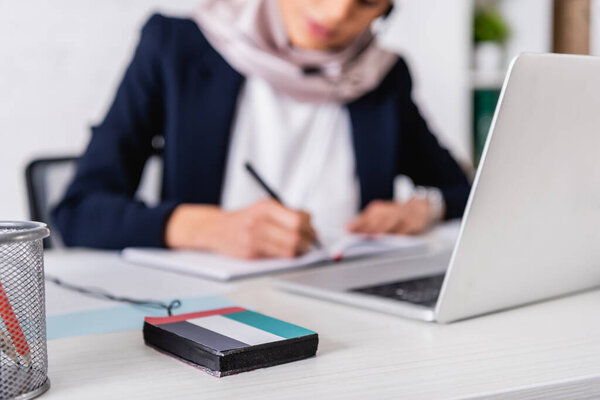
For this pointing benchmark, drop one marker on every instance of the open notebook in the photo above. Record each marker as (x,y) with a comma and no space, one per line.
(215,266)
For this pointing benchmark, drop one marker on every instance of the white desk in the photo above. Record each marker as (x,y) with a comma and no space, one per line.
(554,345)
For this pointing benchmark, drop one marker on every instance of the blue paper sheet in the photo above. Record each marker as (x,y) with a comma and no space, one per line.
(121,318)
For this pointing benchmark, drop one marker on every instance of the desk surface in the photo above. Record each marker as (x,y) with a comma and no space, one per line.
(549,350)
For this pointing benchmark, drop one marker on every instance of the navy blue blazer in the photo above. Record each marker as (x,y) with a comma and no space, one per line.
(177,86)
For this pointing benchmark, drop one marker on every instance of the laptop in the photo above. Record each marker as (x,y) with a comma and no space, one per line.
(531,228)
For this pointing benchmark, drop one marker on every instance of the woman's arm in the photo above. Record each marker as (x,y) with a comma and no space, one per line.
(428,164)
(424,160)
(264,229)
(99,209)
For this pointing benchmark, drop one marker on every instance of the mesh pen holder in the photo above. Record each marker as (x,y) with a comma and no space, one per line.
(23,351)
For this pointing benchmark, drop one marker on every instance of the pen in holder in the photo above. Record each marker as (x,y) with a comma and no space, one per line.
(23,352)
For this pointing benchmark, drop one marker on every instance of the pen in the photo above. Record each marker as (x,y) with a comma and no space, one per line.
(271,193)
(12,324)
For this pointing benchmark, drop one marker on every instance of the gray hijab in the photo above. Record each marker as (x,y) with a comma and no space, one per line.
(250,35)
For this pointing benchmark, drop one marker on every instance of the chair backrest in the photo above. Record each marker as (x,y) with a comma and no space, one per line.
(47,181)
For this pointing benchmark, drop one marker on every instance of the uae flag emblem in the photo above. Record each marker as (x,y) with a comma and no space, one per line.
(229,340)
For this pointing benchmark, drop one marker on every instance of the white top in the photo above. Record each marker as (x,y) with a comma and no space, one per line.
(302,150)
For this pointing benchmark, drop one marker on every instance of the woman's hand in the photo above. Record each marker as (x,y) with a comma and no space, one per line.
(265,229)
(381,217)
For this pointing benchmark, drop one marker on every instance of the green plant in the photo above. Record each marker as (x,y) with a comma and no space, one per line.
(490,26)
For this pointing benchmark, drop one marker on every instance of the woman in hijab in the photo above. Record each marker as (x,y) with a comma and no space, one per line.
(298,88)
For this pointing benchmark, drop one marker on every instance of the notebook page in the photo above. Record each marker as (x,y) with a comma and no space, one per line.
(215,266)
(218,267)
(355,245)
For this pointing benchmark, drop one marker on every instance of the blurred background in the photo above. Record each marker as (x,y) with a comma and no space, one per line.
(61,61)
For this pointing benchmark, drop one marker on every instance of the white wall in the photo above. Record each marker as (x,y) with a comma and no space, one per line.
(595,34)
(60,61)
(531,25)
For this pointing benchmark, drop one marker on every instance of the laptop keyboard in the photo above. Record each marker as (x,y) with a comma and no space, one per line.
(424,291)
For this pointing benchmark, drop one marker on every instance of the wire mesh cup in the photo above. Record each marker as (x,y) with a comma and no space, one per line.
(23,351)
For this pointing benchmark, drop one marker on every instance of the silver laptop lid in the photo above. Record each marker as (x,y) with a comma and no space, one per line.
(532,226)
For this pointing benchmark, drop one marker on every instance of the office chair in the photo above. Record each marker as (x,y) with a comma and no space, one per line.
(47,180)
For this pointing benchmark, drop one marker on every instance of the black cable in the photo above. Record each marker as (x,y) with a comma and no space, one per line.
(101,294)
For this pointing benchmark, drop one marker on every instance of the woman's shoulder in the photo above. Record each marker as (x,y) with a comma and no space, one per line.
(173,33)
(397,83)
(399,75)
